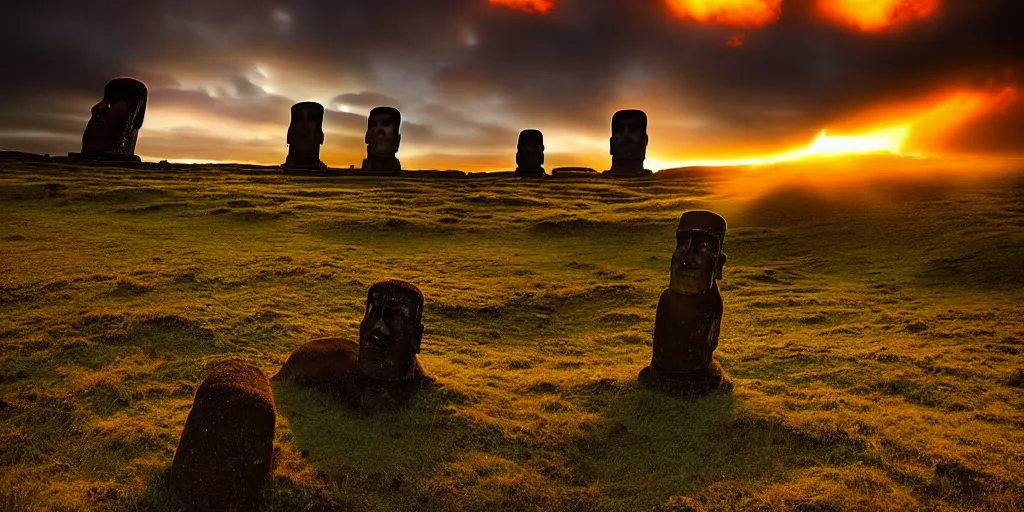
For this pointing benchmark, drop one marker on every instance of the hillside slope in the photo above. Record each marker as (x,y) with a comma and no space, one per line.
(875,340)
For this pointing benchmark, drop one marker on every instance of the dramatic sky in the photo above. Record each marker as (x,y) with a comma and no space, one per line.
(720,79)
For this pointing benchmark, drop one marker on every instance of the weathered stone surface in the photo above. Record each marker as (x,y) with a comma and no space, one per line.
(706,380)
(628,144)
(327,364)
(305,136)
(383,138)
(331,365)
(530,154)
(113,128)
(391,330)
(224,458)
(689,314)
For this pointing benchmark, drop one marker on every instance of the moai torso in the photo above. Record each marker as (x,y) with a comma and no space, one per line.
(686,331)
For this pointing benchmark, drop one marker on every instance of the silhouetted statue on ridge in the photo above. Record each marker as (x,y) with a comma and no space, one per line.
(689,314)
(383,364)
(530,154)
(305,136)
(383,138)
(113,128)
(628,144)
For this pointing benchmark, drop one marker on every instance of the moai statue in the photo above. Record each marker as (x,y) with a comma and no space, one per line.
(628,144)
(530,154)
(383,364)
(382,140)
(305,136)
(113,129)
(689,312)
(391,331)
(225,456)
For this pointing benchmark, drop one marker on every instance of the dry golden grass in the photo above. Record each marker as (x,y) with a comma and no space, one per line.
(876,341)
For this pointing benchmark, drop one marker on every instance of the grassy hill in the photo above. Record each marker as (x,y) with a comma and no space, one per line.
(875,338)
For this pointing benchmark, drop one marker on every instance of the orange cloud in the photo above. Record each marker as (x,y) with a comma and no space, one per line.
(733,13)
(736,41)
(877,15)
(527,6)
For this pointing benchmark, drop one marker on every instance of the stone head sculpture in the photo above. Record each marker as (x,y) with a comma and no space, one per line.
(305,135)
(383,138)
(629,135)
(307,125)
(382,132)
(114,126)
(530,150)
(689,315)
(391,331)
(699,258)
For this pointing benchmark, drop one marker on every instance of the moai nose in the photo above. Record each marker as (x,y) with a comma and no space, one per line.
(382,327)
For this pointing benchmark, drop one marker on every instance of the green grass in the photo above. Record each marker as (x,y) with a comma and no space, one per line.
(876,341)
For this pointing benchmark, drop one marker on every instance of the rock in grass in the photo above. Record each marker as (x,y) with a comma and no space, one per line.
(331,365)
(224,457)
(327,364)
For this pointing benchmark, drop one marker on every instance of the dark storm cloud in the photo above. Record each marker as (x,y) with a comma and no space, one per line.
(442,60)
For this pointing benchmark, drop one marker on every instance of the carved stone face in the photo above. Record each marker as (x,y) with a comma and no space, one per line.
(530,151)
(306,127)
(695,263)
(390,333)
(698,259)
(629,134)
(382,132)
(116,119)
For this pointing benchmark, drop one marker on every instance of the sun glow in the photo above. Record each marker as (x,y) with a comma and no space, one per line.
(878,15)
(733,13)
(914,130)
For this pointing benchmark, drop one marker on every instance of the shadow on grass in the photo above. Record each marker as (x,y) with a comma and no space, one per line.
(650,447)
(281,494)
(423,456)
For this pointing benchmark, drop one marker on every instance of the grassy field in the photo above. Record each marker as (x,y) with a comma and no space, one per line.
(875,339)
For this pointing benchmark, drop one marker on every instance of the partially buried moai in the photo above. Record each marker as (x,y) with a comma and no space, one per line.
(382,365)
(305,136)
(113,128)
(530,154)
(225,456)
(383,138)
(689,314)
(628,144)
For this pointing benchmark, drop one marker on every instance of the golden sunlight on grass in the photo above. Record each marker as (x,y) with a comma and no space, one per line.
(874,335)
